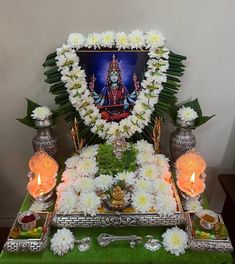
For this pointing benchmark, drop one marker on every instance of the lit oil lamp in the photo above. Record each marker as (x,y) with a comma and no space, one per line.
(190,176)
(42,177)
(192,186)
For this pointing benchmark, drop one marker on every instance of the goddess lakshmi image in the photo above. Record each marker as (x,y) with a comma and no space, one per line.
(114,100)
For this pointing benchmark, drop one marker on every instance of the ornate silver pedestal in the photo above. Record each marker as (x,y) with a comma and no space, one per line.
(112,218)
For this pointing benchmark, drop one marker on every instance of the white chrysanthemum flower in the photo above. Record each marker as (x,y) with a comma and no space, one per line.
(87,167)
(149,171)
(64,187)
(103,182)
(93,40)
(65,61)
(113,129)
(63,49)
(62,241)
(107,39)
(72,162)
(152,64)
(163,65)
(137,39)
(41,113)
(76,86)
(154,39)
(75,74)
(139,107)
(161,187)
(128,177)
(143,185)
(193,205)
(121,40)
(158,53)
(161,160)
(76,40)
(142,201)
(89,203)
(175,240)
(89,152)
(125,127)
(84,184)
(69,175)
(155,76)
(37,206)
(67,202)
(144,158)
(144,146)
(160,65)
(60,62)
(187,114)
(71,57)
(165,205)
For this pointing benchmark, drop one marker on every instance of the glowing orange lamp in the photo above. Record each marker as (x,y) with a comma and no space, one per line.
(193,186)
(190,168)
(43,172)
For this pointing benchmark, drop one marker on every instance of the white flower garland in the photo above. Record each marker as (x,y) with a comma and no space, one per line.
(150,185)
(74,78)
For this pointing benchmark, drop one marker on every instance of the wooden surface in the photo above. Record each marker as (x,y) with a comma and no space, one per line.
(3,236)
(227,181)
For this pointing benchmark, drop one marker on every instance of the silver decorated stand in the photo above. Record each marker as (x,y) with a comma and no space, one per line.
(207,244)
(31,244)
(120,218)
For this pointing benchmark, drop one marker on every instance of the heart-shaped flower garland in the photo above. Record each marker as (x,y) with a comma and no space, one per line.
(74,79)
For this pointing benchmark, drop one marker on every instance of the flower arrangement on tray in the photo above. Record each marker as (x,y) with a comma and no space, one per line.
(138,182)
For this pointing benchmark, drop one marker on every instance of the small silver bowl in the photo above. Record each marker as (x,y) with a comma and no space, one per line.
(207,224)
(28,225)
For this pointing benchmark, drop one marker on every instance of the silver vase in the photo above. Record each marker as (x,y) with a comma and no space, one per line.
(182,139)
(45,139)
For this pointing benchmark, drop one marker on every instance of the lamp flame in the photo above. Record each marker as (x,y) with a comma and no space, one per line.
(192,179)
(39,179)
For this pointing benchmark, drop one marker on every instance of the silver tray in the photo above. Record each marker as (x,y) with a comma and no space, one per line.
(29,245)
(207,244)
(121,219)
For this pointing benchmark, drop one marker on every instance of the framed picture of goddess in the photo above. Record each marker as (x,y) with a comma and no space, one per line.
(114,80)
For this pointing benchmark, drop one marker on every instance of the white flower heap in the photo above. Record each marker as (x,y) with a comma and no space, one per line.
(41,113)
(74,78)
(150,187)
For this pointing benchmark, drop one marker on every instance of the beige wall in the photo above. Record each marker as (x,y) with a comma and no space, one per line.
(30,29)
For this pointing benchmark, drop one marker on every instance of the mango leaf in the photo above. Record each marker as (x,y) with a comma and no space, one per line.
(195,106)
(28,120)
(202,120)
